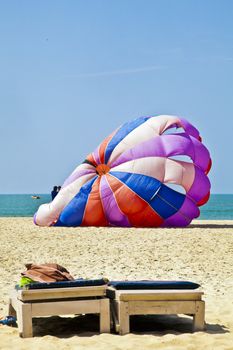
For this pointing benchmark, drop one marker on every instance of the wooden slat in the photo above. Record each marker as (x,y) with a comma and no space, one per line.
(66,307)
(61,293)
(161,307)
(169,295)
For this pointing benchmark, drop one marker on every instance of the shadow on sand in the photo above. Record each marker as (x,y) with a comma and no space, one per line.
(88,325)
(211,225)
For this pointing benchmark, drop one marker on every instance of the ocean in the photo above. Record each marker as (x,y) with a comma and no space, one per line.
(219,207)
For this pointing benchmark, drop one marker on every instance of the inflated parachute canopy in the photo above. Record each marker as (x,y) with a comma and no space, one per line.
(150,172)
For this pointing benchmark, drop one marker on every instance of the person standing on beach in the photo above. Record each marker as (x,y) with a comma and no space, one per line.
(54,192)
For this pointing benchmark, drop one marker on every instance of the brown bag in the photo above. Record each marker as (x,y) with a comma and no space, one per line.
(47,273)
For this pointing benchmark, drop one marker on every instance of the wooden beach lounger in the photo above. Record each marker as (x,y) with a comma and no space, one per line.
(150,298)
(53,301)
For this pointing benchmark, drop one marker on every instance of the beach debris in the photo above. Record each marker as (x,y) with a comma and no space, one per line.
(8,321)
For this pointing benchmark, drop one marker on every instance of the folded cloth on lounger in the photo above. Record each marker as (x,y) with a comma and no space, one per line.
(150,284)
(47,273)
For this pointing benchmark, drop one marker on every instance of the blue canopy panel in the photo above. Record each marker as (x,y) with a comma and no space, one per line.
(72,214)
(164,200)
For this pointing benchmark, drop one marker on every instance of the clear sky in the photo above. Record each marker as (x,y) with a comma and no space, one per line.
(72,71)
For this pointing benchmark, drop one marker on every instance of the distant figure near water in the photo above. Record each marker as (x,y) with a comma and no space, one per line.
(55,191)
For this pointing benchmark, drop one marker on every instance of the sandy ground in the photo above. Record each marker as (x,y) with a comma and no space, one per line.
(202,253)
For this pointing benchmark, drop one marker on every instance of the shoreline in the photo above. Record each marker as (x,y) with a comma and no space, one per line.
(201,252)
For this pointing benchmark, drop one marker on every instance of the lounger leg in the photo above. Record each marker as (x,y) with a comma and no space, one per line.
(24,317)
(11,310)
(199,317)
(114,314)
(104,316)
(13,304)
(123,317)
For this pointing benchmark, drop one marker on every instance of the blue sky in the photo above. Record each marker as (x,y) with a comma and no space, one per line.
(73,71)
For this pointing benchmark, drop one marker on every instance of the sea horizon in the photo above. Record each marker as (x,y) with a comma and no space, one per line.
(219,206)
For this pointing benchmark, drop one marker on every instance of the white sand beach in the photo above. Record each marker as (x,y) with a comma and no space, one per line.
(202,253)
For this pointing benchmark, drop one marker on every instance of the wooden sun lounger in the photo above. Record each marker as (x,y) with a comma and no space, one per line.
(26,304)
(125,303)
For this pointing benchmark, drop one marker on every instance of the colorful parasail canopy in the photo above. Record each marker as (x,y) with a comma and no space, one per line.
(150,172)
